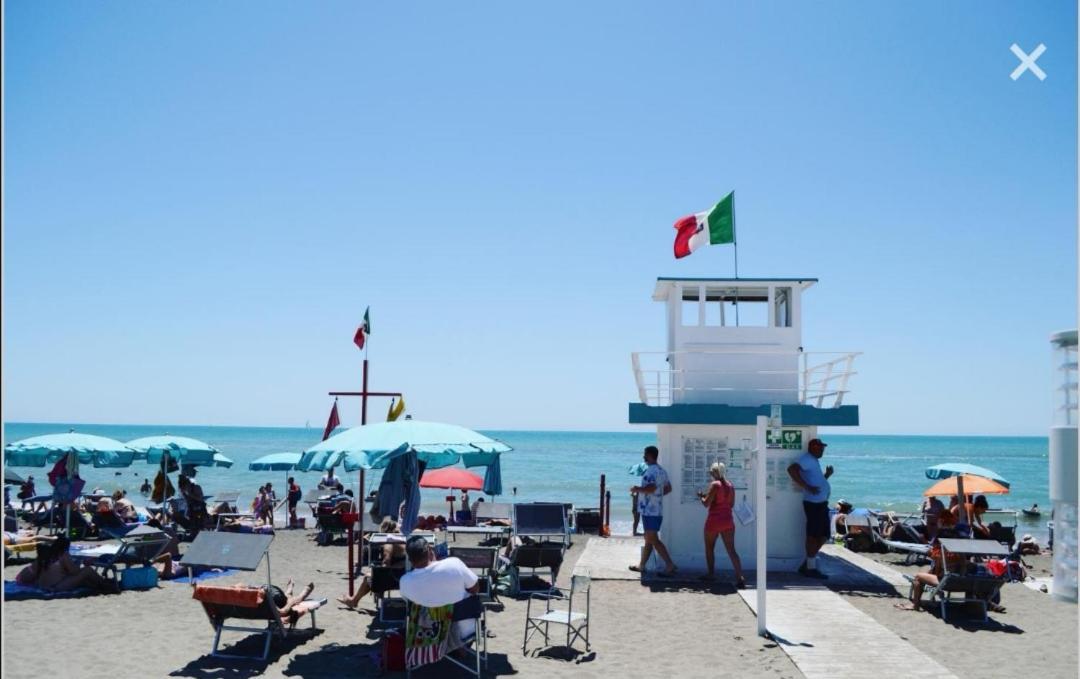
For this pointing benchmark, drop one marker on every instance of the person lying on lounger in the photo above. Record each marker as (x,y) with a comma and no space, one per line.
(54,571)
(27,537)
(287,603)
(393,555)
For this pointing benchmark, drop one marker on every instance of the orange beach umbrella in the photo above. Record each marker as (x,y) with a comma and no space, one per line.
(972,485)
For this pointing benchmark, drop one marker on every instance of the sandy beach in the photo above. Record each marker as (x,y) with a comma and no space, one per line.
(684,631)
(680,629)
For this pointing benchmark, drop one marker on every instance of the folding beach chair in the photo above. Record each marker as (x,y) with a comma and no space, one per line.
(480,560)
(427,631)
(576,622)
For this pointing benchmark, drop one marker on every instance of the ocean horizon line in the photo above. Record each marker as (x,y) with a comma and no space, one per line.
(499,429)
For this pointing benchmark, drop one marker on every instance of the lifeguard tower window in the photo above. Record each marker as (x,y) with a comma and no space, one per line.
(782,307)
(731,307)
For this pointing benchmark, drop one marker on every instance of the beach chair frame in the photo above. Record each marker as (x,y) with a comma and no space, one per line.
(481,560)
(576,623)
(469,608)
(218,614)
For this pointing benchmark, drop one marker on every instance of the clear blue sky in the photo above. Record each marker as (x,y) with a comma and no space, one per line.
(202,198)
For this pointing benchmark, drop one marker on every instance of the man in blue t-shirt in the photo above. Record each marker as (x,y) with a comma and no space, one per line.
(806,473)
(650,504)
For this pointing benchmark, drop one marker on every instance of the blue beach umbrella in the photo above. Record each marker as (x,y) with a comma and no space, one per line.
(951,469)
(180,448)
(638,469)
(374,446)
(276,462)
(39,451)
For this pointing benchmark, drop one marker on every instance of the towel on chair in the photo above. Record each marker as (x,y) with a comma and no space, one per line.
(428,636)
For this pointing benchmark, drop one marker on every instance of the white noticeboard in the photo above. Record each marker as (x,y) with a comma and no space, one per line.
(699,454)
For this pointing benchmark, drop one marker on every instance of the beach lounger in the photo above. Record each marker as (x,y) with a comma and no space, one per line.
(222,604)
(427,631)
(912,551)
(139,547)
(973,588)
(541,520)
(488,512)
(110,525)
(541,556)
(487,531)
(241,552)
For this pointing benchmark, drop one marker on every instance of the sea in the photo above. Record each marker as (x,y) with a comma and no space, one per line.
(876,472)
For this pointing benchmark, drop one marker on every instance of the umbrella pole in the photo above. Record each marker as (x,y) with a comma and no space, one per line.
(963,504)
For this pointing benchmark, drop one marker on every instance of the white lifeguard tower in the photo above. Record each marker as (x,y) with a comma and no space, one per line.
(734,350)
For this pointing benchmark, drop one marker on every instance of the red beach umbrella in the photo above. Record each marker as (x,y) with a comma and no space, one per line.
(451,477)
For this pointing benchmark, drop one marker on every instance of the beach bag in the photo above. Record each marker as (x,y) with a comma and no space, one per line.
(145,577)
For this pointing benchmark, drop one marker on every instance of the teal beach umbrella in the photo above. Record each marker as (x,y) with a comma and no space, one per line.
(374,446)
(951,469)
(39,451)
(77,448)
(180,448)
(276,462)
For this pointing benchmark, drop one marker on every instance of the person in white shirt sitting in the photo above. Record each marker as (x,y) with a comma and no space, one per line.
(433,583)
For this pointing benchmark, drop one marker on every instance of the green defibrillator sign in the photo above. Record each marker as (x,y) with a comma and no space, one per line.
(788,439)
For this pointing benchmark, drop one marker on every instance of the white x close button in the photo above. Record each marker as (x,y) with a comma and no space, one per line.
(1027,62)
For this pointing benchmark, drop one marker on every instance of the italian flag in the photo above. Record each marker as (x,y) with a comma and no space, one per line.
(706,228)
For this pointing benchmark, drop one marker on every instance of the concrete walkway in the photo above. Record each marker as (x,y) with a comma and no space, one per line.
(827,637)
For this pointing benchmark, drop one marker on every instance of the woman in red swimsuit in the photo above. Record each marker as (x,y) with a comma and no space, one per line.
(719,523)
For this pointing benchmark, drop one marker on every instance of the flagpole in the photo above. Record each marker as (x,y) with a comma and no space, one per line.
(735,242)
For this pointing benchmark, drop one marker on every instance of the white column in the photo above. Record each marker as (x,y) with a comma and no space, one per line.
(760,457)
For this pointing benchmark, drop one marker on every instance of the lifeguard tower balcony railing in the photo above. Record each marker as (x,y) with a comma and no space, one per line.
(822,378)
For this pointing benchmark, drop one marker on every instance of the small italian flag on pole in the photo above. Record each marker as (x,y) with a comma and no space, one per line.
(706,228)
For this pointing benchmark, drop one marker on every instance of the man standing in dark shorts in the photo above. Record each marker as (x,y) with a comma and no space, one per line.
(806,473)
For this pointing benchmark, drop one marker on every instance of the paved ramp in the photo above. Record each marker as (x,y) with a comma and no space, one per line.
(828,638)
(609,558)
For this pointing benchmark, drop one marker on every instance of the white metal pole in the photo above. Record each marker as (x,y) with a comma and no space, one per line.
(760,455)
